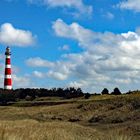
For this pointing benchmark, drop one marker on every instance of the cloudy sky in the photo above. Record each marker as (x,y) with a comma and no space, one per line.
(89,44)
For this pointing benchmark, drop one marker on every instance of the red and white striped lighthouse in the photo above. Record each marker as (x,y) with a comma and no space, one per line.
(7,78)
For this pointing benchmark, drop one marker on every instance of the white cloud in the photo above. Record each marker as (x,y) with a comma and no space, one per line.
(59,70)
(77,5)
(78,84)
(105,54)
(38,62)
(39,74)
(51,74)
(130,5)
(64,48)
(57,75)
(15,37)
(109,15)
(107,59)
(123,81)
(95,41)
(19,81)
(72,31)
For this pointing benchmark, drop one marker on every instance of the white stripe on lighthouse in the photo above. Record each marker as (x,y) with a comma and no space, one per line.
(8,66)
(8,76)
(7,87)
(7,56)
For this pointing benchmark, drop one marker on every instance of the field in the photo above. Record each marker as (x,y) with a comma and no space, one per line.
(104,117)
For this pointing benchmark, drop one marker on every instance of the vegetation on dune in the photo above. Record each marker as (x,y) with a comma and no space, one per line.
(32,94)
(116,91)
(32,130)
(105,91)
(118,110)
(84,117)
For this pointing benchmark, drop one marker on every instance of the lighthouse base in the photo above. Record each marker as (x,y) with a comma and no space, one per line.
(8,87)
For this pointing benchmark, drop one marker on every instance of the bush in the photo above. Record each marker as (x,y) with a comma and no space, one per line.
(87,96)
(31,94)
(116,92)
(6,97)
(105,91)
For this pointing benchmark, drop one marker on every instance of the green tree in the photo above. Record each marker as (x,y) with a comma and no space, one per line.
(116,91)
(105,91)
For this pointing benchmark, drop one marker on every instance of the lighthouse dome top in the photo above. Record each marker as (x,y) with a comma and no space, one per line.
(8,51)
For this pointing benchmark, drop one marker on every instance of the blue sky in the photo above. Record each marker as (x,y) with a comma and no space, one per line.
(90,44)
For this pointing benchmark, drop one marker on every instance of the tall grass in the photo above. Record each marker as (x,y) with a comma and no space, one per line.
(116,135)
(33,130)
(43,123)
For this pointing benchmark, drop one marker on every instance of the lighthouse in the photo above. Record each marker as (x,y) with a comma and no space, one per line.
(7,78)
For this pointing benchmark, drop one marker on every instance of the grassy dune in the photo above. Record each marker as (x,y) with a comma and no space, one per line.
(33,130)
(98,118)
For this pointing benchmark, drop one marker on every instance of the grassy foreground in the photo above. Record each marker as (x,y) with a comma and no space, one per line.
(33,130)
(98,118)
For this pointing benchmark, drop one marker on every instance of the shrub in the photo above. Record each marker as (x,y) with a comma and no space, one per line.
(116,92)
(6,97)
(105,91)
(87,96)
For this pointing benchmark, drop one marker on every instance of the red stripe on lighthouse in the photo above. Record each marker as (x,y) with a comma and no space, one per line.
(8,61)
(8,82)
(7,71)
(8,79)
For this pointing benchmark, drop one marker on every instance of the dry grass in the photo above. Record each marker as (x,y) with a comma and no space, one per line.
(107,115)
(33,130)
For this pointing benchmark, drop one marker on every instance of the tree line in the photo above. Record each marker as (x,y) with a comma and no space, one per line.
(116,91)
(66,93)
(14,95)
